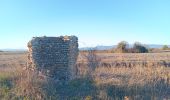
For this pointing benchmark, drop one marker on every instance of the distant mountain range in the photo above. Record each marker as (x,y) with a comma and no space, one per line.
(13,50)
(100,47)
(114,46)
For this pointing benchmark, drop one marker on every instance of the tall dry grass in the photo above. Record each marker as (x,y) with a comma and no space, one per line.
(110,79)
(131,77)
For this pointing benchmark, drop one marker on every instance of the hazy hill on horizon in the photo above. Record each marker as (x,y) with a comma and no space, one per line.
(99,47)
(102,47)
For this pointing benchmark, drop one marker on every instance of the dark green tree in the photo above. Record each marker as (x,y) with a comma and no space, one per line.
(139,48)
(165,47)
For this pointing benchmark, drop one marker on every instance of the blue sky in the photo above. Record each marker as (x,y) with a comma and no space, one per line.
(95,22)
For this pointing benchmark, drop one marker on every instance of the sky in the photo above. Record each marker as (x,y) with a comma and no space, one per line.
(94,22)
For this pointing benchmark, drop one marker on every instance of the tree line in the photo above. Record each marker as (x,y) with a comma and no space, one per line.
(123,47)
(137,47)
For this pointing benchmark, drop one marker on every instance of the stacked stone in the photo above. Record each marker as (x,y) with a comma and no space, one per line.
(54,56)
(73,55)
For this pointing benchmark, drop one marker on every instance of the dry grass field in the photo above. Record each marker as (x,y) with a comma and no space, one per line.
(110,76)
(129,76)
(11,64)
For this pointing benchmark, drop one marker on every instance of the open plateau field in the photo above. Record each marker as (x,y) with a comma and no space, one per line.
(100,76)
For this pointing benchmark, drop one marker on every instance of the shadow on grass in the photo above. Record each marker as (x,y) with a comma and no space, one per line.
(5,87)
(85,89)
(158,91)
(78,89)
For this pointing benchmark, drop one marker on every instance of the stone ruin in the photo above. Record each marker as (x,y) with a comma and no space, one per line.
(55,57)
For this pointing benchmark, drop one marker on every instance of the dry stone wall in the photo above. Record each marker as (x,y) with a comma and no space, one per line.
(54,56)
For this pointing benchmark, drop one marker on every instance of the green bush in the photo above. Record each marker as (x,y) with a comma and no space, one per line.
(122,47)
(139,48)
(165,47)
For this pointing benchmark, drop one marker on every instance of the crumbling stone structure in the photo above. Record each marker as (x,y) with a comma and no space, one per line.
(54,56)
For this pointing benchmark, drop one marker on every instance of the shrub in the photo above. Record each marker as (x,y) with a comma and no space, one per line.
(165,47)
(122,47)
(92,60)
(139,48)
